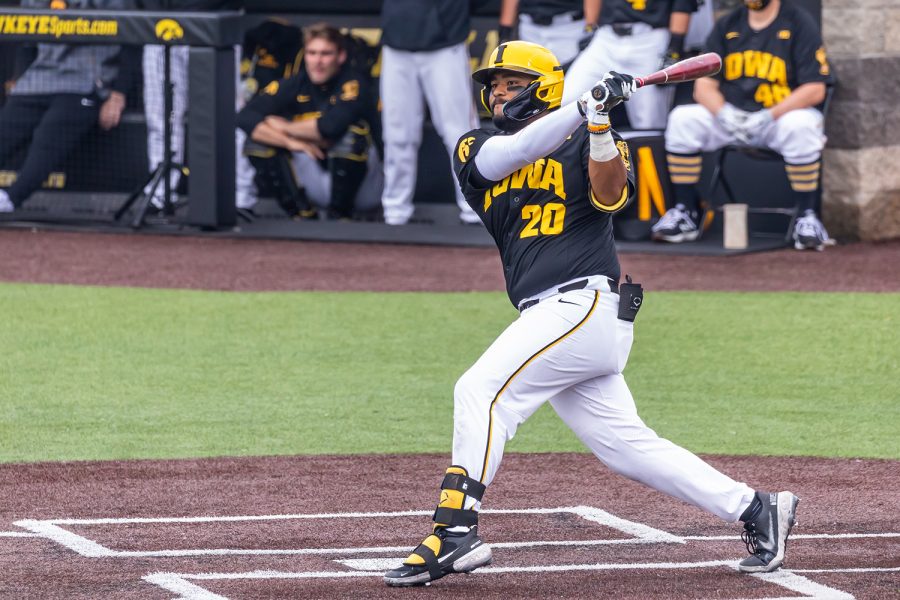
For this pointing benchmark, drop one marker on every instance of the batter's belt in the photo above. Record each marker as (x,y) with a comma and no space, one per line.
(579,284)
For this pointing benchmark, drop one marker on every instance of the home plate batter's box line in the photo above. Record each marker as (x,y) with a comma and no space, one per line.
(642,534)
(52,529)
(181,583)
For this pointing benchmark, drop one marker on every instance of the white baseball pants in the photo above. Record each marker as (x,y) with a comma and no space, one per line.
(316,180)
(637,54)
(798,135)
(560,37)
(570,350)
(442,78)
(154,109)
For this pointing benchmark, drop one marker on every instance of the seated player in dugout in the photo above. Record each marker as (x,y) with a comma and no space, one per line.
(311,134)
(774,77)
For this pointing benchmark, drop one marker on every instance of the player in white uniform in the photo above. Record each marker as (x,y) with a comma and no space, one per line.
(424,61)
(635,36)
(557,25)
(546,185)
(774,76)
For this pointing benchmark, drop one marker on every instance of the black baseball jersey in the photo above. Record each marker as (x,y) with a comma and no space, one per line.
(342,101)
(550,8)
(760,68)
(655,13)
(542,217)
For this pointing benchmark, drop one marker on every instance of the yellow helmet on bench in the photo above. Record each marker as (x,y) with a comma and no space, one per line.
(543,94)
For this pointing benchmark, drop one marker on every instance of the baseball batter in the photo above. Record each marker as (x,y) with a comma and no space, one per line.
(774,74)
(635,36)
(546,181)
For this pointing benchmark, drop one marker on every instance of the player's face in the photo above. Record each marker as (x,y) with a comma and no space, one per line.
(756,4)
(506,85)
(322,59)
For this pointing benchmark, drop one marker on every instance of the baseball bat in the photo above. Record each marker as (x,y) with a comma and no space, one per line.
(684,70)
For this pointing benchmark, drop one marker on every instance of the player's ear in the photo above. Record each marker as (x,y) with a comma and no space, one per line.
(342,56)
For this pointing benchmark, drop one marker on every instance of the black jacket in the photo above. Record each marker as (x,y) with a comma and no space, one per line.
(422,25)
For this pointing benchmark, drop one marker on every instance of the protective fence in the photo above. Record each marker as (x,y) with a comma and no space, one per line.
(64,73)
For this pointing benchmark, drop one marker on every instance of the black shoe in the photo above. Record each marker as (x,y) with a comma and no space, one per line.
(676,226)
(767,525)
(441,553)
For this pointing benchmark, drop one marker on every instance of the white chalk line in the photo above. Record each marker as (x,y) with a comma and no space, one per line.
(346,515)
(850,570)
(14,534)
(643,534)
(798,536)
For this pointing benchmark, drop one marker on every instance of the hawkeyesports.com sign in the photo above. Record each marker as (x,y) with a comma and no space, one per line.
(134,27)
(57,27)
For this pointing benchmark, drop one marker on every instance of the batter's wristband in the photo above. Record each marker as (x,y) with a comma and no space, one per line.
(603,147)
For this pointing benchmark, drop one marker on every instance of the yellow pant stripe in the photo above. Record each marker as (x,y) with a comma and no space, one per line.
(684,160)
(807,177)
(487,451)
(678,169)
(805,187)
(803,168)
(686,179)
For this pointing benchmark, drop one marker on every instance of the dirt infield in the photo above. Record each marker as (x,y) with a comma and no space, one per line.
(250,265)
(562,526)
(323,527)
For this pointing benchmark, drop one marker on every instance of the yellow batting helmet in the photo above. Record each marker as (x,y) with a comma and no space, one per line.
(544,93)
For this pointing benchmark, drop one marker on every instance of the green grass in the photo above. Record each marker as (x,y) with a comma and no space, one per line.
(108,373)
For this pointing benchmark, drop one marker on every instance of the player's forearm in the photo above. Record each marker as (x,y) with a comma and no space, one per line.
(679,22)
(504,154)
(592,12)
(509,13)
(609,181)
(708,95)
(265,133)
(306,130)
(805,96)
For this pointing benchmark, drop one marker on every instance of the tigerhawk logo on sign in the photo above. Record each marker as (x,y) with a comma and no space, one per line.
(168,30)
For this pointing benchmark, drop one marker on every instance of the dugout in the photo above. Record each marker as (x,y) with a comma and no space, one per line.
(115,162)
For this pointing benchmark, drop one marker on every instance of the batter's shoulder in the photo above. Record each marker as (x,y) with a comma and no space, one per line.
(470,142)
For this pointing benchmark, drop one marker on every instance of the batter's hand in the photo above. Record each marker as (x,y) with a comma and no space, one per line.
(111,111)
(612,90)
(595,113)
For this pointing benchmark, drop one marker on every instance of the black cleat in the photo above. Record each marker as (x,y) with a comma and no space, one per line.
(767,525)
(441,553)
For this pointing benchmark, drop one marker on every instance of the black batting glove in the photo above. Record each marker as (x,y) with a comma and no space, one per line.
(613,89)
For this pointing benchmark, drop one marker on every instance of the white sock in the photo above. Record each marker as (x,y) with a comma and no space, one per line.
(6,204)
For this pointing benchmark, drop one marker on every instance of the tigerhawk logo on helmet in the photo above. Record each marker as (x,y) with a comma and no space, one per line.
(542,94)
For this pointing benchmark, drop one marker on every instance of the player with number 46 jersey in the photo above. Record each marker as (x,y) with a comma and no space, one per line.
(546,180)
(768,94)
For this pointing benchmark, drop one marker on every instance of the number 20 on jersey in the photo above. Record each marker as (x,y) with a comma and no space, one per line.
(546,220)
